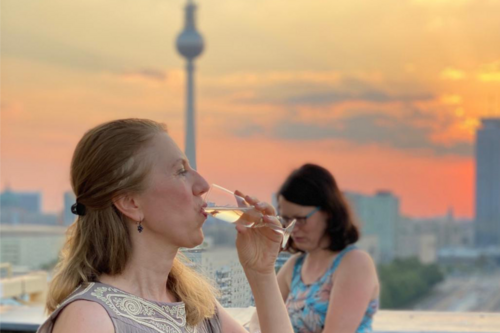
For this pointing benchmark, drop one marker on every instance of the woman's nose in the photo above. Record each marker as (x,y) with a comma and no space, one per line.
(201,186)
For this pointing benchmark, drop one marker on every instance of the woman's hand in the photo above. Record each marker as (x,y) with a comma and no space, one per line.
(258,248)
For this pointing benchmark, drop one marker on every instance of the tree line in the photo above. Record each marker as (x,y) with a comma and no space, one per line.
(405,281)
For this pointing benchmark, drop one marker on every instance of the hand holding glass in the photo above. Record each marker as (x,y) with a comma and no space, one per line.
(228,207)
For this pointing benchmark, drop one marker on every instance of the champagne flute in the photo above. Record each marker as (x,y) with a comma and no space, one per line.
(228,207)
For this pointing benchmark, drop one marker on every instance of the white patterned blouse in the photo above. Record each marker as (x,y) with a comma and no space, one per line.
(130,313)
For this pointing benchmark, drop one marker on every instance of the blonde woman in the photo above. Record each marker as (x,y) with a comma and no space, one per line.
(138,201)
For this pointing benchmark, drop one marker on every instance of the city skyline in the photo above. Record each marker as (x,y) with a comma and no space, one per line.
(387,104)
(66,217)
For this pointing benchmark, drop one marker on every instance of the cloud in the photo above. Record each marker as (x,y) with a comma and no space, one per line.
(149,74)
(249,130)
(374,96)
(314,89)
(452,74)
(451,99)
(370,129)
(41,48)
(490,72)
(442,3)
(406,129)
(273,78)
(358,109)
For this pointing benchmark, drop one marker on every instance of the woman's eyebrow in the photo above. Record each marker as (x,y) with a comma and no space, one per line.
(183,160)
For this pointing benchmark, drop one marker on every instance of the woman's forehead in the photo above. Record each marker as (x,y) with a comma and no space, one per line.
(166,151)
(291,207)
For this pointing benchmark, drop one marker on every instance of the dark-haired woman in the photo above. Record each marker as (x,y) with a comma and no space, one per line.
(329,285)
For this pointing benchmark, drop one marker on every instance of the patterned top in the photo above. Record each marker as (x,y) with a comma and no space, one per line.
(130,313)
(308,304)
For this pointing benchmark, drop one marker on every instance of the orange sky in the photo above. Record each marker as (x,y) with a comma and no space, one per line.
(386,94)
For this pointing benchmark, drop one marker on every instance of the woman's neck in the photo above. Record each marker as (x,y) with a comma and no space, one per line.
(320,254)
(316,259)
(146,274)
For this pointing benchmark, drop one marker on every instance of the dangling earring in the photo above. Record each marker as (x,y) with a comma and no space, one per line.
(139,226)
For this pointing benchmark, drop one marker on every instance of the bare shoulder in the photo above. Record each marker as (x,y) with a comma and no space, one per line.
(358,259)
(83,316)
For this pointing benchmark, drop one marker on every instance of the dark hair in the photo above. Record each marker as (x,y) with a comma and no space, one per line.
(312,185)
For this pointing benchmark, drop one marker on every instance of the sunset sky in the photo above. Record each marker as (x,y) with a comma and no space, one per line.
(386,94)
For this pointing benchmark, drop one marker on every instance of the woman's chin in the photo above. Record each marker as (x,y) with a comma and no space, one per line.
(300,246)
(196,241)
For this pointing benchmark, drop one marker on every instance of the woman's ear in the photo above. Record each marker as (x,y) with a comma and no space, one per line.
(129,207)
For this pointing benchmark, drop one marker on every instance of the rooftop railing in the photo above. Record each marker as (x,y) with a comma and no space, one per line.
(27,318)
(27,294)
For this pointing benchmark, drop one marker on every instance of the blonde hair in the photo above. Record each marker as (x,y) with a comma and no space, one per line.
(107,163)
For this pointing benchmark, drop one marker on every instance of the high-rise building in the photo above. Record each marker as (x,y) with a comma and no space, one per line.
(379,215)
(488,183)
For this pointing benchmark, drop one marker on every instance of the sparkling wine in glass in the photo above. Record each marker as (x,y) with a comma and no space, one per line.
(228,207)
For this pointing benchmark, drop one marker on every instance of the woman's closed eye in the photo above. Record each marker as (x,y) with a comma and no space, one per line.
(182,171)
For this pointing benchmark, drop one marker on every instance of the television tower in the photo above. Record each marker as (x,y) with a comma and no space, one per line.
(190,45)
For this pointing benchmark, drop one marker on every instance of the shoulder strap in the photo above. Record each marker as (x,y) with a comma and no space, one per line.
(296,271)
(339,257)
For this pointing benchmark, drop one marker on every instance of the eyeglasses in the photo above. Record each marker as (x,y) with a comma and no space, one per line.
(300,220)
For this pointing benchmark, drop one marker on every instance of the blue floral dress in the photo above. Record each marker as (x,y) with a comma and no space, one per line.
(307,304)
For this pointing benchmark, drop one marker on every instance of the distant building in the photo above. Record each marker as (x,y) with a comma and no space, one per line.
(370,244)
(224,284)
(19,208)
(30,202)
(424,238)
(417,239)
(379,215)
(195,257)
(488,183)
(68,216)
(222,267)
(470,257)
(11,216)
(452,232)
(30,246)
(427,251)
